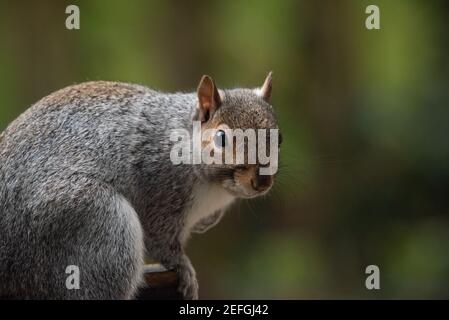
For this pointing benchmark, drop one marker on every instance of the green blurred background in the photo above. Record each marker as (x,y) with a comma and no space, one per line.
(364,114)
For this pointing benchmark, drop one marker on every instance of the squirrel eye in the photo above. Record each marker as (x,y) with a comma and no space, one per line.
(220,139)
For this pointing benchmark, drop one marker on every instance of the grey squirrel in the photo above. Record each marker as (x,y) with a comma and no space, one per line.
(86,180)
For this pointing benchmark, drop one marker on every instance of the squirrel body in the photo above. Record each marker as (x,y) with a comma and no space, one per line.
(86,180)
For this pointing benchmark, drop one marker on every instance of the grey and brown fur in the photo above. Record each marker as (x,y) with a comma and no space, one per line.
(86,180)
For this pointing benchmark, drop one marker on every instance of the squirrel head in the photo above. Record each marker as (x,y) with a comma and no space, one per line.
(238,127)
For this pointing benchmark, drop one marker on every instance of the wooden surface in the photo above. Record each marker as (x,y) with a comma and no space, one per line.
(161,284)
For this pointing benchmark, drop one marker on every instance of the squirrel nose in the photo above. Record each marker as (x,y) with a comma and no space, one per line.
(262,182)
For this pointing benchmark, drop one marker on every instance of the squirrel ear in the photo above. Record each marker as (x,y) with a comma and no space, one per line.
(265,91)
(208,98)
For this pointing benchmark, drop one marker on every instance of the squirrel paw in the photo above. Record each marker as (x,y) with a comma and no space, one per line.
(188,284)
(208,222)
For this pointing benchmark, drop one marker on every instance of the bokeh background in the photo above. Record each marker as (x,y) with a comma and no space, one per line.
(364,115)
